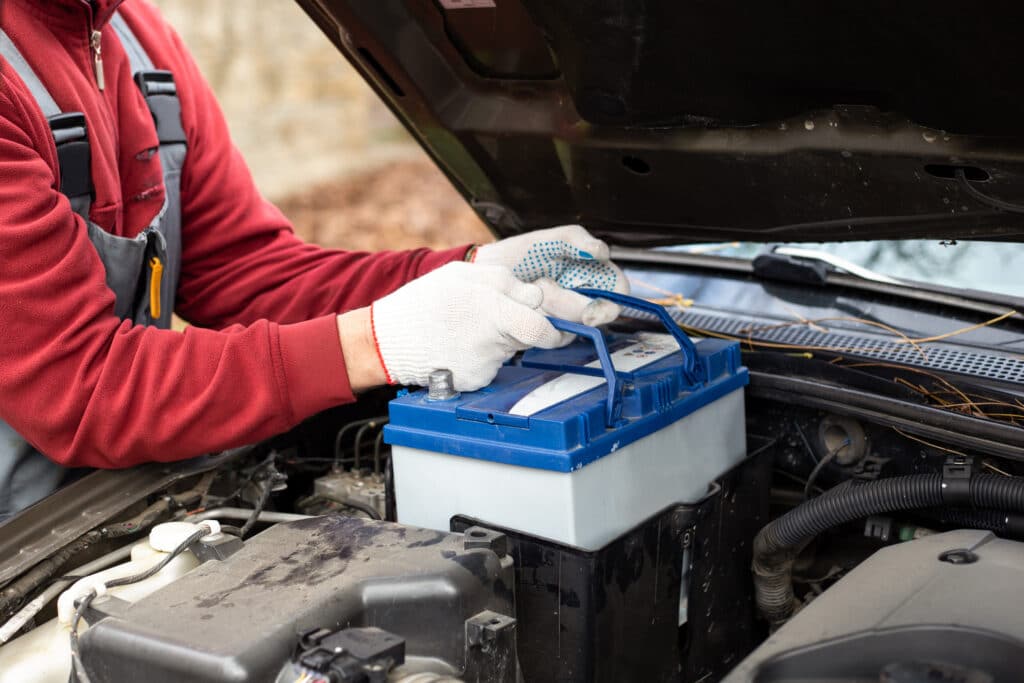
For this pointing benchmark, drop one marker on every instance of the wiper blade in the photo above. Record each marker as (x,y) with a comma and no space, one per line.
(811,266)
(838,262)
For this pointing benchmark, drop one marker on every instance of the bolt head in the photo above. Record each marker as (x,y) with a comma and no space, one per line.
(958,556)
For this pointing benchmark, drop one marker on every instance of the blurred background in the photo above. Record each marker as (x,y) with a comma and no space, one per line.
(319,142)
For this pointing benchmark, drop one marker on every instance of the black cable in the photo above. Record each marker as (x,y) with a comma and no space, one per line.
(78,670)
(807,444)
(344,430)
(355,505)
(984,198)
(358,448)
(271,477)
(363,508)
(816,471)
(376,451)
(822,464)
(205,530)
(260,504)
(216,501)
(792,477)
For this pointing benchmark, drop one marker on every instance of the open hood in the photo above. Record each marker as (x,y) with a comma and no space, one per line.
(669,121)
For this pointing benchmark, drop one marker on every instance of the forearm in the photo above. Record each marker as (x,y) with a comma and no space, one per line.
(138,394)
(362,359)
(280,278)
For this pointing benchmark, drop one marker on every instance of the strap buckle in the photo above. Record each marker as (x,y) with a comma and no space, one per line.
(71,137)
(161,94)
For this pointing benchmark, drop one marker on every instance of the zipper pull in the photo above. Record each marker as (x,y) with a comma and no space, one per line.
(97,58)
(155,280)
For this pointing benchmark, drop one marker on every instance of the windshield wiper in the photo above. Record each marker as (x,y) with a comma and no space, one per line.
(838,262)
(810,266)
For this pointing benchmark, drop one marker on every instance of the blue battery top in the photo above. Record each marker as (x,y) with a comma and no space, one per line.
(553,411)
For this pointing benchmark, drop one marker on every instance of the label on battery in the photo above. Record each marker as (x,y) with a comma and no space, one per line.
(466,4)
(650,348)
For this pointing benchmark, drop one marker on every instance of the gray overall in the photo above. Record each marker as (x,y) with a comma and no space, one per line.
(142,271)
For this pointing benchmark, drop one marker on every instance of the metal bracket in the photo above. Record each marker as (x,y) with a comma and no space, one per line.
(491,648)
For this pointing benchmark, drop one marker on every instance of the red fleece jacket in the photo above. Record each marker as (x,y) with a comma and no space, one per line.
(88,389)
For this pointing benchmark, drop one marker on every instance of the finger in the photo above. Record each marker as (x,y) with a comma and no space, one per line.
(568,305)
(622,285)
(594,275)
(527,294)
(475,377)
(496,276)
(526,326)
(567,242)
(560,302)
(600,312)
(505,282)
(580,244)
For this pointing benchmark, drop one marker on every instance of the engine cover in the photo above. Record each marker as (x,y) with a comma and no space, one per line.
(941,608)
(240,619)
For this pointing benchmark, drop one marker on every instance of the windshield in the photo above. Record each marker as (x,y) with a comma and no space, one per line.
(986,266)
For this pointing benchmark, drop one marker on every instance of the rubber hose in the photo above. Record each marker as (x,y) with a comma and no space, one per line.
(1004,524)
(777,545)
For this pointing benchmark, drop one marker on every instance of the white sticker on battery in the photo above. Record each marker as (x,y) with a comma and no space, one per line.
(466,4)
(651,347)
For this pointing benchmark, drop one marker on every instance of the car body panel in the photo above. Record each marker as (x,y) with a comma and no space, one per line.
(662,122)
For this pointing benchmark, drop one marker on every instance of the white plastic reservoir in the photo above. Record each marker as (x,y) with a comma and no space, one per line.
(558,447)
(43,655)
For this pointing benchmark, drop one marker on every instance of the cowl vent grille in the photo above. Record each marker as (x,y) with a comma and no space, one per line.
(981,365)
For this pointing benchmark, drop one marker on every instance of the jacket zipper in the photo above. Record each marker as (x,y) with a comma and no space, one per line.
(95,39)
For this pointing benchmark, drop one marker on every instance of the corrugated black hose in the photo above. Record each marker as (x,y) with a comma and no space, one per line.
(1002,523)
(778,544)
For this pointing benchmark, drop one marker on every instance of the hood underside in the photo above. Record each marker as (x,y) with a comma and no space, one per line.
(669,121)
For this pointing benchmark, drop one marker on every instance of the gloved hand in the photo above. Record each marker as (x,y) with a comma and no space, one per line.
(565,257)
(463,317)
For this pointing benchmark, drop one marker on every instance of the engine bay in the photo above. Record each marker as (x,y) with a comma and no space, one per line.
(762,533)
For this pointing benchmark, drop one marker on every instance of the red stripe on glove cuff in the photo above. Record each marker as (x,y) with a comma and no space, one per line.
(376,346)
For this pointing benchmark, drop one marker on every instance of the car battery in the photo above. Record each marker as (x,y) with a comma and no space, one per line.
(576,445)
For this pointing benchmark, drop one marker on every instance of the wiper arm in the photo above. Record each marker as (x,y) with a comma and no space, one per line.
(838,262)
(811,266)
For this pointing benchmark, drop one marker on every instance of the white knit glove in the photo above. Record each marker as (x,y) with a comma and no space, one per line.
(463,317)
(569,257)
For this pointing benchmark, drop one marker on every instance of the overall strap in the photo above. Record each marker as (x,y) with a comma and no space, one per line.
(14,57)
(163,255)
(69,132)
(137,57)
(158,87)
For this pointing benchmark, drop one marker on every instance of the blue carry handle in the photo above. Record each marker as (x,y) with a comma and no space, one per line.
(607,368)
(691,364)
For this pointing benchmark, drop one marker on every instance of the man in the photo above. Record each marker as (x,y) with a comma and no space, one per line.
(122,199)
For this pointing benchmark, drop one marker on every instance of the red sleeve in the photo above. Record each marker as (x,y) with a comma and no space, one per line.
(241,261)
(88,389)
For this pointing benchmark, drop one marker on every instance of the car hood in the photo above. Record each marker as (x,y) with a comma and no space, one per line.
(660,121)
